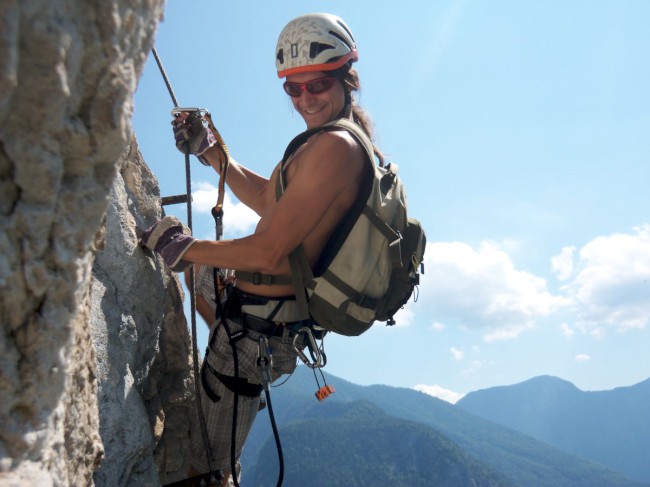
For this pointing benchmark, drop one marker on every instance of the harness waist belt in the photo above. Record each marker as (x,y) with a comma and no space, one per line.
(270,328)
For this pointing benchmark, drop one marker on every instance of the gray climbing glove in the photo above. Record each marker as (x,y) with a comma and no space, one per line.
(171,239)
(194,133)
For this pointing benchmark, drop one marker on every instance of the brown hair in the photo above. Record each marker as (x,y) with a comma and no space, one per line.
(350,79)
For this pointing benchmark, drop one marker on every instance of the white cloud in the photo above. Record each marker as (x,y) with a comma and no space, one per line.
(582,357)
(204,196)
(457,353)
(562,264)
(239,219)
(507,332)
(566,330)
(474,366)
(597,332)
(437,326)
(482,289)
(611,287)
(439,392)
(606,286)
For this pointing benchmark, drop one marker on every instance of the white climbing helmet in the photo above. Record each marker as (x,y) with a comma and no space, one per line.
(314,42)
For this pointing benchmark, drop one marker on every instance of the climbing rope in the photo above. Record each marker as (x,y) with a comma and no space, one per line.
(224,163)
(265,361)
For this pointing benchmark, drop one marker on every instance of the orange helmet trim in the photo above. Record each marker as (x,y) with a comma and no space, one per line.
(353,55)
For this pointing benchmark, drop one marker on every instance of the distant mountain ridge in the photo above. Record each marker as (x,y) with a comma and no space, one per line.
(357,444)
(608,427)
(500,455)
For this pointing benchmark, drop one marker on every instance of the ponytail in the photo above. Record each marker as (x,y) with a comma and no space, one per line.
(350,79)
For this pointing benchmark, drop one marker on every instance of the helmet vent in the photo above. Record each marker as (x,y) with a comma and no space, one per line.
(280,56)
(345,28)
(315,48)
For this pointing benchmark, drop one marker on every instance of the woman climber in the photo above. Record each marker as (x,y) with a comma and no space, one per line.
(314,54)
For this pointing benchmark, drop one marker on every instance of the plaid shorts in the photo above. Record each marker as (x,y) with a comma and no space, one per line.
(219,415)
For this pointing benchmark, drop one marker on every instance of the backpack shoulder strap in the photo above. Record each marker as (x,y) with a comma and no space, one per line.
(339,124)
(301,271)
(358,134)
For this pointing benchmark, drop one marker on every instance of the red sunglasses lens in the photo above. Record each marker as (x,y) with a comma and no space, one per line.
(314,87)
(292,89)
(320,85)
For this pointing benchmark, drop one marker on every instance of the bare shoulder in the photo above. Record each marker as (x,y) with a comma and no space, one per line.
(329,164)
(338,148)
(337,140)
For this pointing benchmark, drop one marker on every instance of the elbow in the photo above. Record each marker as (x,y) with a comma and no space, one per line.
(272,259)
(267,252)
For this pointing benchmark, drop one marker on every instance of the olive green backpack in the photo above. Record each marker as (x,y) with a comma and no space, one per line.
(371,265)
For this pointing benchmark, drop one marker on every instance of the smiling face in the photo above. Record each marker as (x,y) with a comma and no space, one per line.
(319,109)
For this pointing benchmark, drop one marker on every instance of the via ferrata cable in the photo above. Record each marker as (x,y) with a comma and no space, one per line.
(217,213)
(191,287)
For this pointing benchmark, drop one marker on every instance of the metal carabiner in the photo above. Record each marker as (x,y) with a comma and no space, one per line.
(313,348)
(265,360)
(176,111)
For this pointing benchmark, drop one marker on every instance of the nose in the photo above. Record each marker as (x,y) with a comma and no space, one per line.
(306,95)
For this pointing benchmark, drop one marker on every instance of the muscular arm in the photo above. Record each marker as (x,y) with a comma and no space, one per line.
(323,181)
(248,187)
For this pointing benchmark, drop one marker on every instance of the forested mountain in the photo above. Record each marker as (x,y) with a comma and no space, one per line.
(608,427)
(357,444)
(380,435)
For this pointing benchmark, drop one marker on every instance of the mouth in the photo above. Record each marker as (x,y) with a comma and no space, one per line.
(312,110)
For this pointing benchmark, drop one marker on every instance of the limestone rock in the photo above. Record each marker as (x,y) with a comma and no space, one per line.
(68,71)
(142,342)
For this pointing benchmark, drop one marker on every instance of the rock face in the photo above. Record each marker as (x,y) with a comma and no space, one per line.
(68,71)
(142,343)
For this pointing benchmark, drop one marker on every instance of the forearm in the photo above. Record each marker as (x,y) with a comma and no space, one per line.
(245,254)
(246,185)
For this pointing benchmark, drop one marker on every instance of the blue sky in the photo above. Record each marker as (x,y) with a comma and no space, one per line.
(522,133)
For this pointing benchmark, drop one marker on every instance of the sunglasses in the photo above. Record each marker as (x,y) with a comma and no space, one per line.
(315,86)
